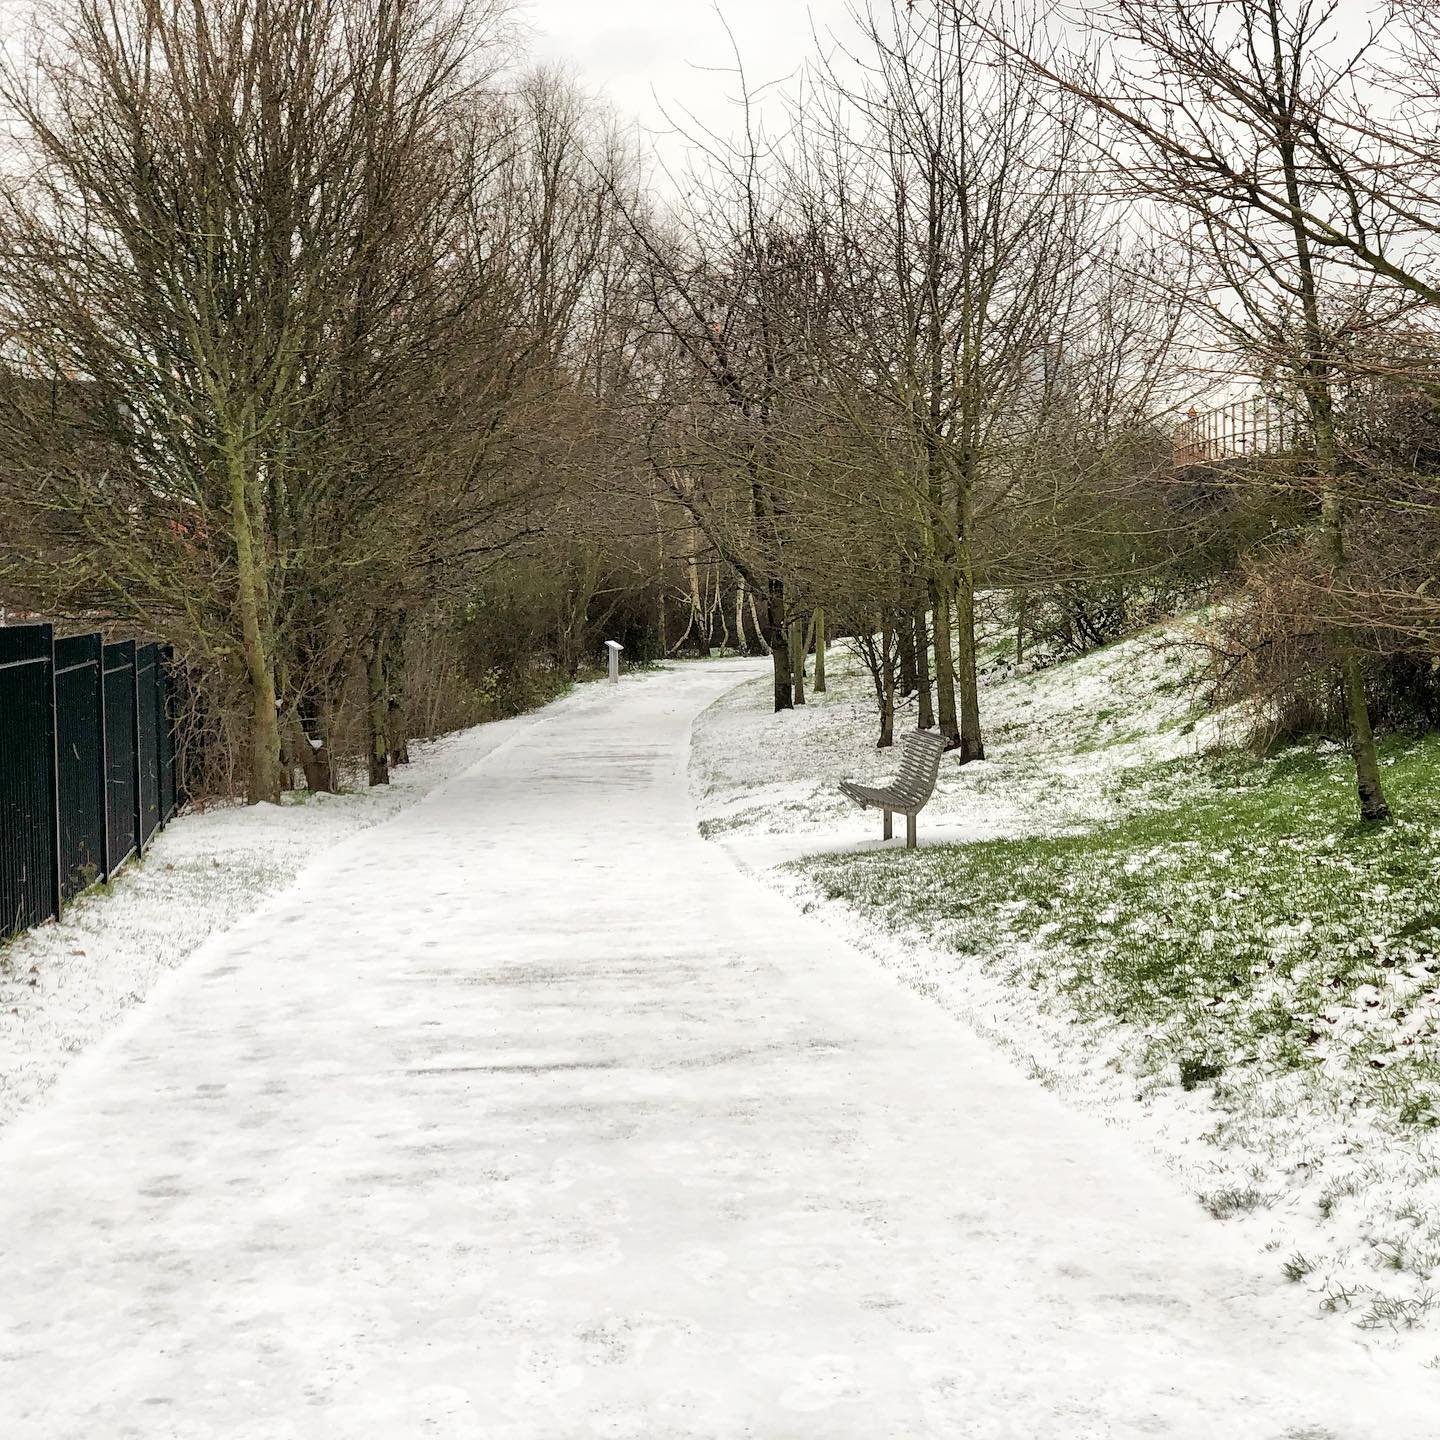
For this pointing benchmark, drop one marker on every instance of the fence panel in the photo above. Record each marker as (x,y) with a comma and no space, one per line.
(122,780)
(87,763)
(29,842)
(147,738)
(80,754)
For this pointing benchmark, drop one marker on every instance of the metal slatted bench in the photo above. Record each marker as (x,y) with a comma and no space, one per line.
(910,791)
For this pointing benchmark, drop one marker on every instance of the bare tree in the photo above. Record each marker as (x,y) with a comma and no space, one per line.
(959,236)
(194,244)
(1216,112)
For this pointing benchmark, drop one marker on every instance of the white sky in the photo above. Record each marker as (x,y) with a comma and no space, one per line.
(645,54)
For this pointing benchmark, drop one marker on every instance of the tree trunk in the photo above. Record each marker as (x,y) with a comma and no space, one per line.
(797,661)
(887,687)
(944,670)
(926,717)
(762,645)
(719,619)
(312,744)
(779,645)
(317,776)
(395,729)
(263,781)
(972,741)
(1373,805)
(819,650)
(908,666)
(698,616)
(376,711)
(1316,385)
(308,714)
(289,756)
(397,732)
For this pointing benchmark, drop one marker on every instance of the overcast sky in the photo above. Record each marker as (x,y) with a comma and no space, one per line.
(640,52)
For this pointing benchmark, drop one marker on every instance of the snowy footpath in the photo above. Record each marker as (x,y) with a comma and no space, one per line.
(527,1116)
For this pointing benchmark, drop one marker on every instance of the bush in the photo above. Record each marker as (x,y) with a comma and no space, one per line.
(1272,653)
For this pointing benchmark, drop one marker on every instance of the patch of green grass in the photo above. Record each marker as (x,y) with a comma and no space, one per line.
(1223,1204)
(1346,1187)
(1096,738)
(1239,917)
(1297,1267)
(1387,1313)
(1195,1071)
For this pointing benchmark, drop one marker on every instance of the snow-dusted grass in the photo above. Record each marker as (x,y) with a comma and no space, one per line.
(1054,749)
(1204,946)
(65,985)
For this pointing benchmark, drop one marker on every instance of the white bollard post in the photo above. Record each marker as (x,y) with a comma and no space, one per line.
(614,647)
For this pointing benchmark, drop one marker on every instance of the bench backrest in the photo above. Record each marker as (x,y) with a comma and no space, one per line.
(920,752)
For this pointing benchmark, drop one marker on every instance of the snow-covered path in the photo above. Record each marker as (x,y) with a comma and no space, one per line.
(528,1115)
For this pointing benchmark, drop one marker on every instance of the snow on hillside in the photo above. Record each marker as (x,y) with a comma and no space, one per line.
(1272,1100)
(1055,740)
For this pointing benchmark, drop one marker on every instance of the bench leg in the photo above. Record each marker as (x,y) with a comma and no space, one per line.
(889,832)
(909,832)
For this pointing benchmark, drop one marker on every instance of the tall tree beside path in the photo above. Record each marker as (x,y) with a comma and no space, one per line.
(946,189)
(1222,114)
(183,260)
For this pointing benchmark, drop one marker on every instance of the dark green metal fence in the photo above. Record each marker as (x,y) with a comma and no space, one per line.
(87,764)
(80,751)
(147,739)
(29,843)
(122,770)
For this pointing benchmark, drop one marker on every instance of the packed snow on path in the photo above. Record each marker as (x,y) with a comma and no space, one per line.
(62,987)
(530,1117)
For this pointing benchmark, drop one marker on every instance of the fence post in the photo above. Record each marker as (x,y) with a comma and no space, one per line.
(157,700)
(29,788)
(169,766)
(106,862)
(139,800)
(156,694)
(57,890)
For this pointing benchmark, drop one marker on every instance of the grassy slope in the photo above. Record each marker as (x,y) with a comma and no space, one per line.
(1219,925)
(1237,913)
